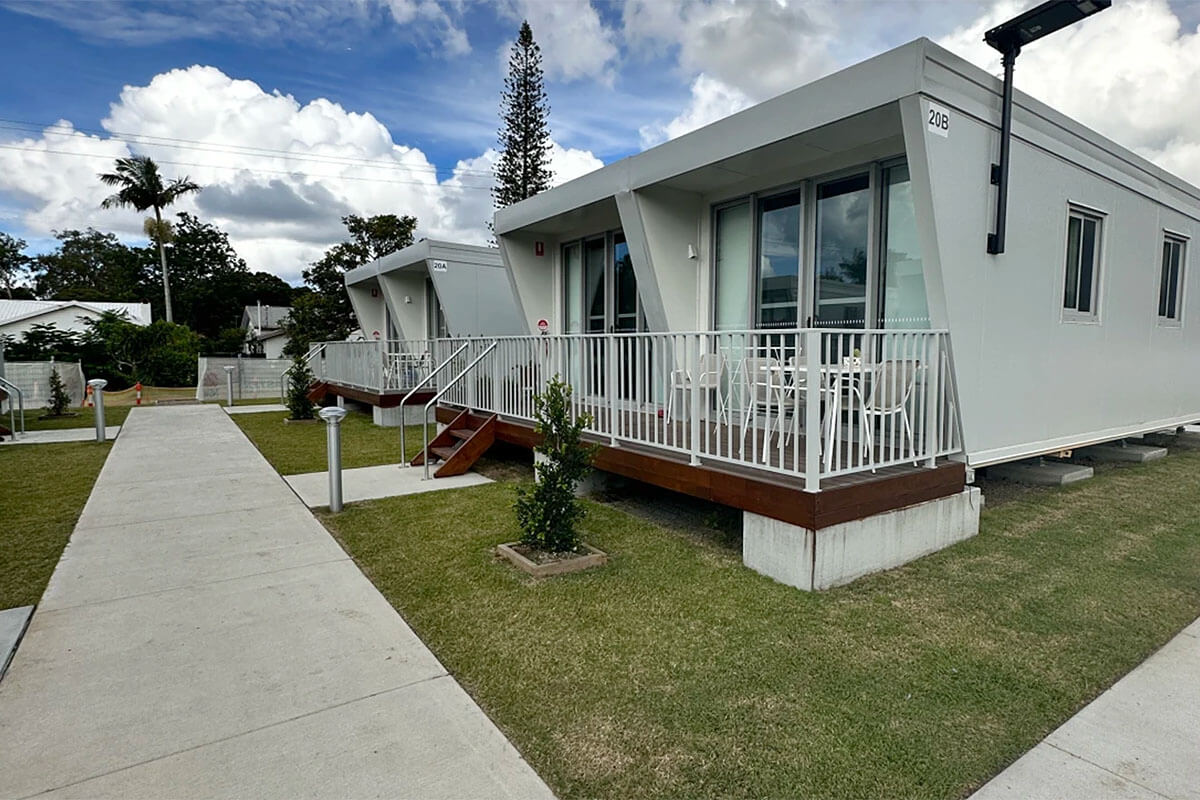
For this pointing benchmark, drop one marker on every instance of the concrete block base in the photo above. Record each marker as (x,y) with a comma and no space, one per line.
(1122,452)
(1187,440)
(814,560)
(395,417)
(1041,473)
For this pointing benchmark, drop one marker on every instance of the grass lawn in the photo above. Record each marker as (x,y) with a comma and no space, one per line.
(113,415)
(295,449)
(676,671)
(44,489)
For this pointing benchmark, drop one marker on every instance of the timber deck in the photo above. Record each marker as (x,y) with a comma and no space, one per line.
(843,498)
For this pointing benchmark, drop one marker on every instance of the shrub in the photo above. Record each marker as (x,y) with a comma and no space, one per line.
(59,400)
(299,380)
(548,512)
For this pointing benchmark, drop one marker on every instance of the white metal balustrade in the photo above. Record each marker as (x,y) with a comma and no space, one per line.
(379,367)
(807,403)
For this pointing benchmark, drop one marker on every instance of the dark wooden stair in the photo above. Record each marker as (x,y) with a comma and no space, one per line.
(317,391)
(460,444)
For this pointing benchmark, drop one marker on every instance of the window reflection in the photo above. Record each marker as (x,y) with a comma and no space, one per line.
(779,260)
(843,230)
(904,304)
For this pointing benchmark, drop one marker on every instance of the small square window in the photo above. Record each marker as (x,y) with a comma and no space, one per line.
(1170,283)
(1083,265)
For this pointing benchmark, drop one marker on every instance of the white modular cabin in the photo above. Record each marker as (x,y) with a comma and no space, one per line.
(863,201)
(434,289)
(405,302)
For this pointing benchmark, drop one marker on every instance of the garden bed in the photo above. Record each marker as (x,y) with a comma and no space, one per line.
(541,564)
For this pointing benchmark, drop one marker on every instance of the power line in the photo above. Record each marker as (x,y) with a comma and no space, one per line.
(222,147)
(256,170)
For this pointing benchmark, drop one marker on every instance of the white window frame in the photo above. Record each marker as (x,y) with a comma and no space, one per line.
(1083,212)
(1182,240)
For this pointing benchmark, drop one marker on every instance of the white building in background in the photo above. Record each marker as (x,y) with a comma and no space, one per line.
(19,316)
(264,329)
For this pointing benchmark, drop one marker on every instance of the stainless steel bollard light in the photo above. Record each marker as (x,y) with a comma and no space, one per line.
(98,385)
(229,386)
(333,429)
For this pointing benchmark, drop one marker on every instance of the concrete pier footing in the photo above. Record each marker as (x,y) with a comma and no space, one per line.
(400,415)
(821,559)
(1121,451)
(1040,472)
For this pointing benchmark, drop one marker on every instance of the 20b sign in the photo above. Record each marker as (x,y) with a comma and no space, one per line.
(937,120)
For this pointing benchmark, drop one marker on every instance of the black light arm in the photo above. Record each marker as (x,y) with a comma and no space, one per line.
(1009,38)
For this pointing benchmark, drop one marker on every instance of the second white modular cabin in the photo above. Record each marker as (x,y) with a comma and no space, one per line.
(864,200)
(406,301)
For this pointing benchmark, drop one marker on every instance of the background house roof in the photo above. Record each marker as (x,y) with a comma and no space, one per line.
(272,317)
(17,310)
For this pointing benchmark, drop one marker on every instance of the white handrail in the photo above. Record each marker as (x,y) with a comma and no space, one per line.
(413,391)
(438,396)
(11,387)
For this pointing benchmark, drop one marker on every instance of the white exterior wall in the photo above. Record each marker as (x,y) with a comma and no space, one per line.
(470,282)
(1028,381)
(273,347)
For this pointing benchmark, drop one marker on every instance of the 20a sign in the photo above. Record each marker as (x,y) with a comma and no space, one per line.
(937,120)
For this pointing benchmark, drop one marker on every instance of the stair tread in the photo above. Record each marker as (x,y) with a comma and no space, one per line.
(443,452)
(462,433)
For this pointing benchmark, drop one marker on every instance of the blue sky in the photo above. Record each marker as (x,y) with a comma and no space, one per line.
(621,76)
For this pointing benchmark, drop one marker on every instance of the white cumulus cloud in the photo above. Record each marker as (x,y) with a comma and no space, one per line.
(575,42)
(277,174)
(1129,72)
(711,100)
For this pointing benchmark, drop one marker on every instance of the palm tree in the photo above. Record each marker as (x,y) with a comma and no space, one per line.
(141,187)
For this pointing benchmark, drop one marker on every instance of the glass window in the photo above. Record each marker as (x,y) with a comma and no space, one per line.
(778,260)
(573,287)
(1083,262)
(1171,279)
(903,299)
(732,284)
(625,317)
(436,316)
(843,233)
(593,281)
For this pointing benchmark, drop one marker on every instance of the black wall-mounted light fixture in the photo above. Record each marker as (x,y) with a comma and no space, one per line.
(1008,38)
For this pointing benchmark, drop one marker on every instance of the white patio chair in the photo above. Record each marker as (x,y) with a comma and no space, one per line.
(891,386)
(710,378)
(763,386)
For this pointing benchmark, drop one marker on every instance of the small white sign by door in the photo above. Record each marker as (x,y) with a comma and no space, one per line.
(937,120)
(437,266)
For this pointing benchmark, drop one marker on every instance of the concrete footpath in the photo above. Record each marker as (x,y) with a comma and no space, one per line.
(1140,739)
(204,636)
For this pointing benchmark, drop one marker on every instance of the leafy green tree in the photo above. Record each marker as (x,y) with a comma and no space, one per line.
(523,168)
(548,513)
(90,265)
(325,314)
(140,186)
(14,264)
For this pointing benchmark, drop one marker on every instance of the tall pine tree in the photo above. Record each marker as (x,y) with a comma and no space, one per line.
(523,169)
